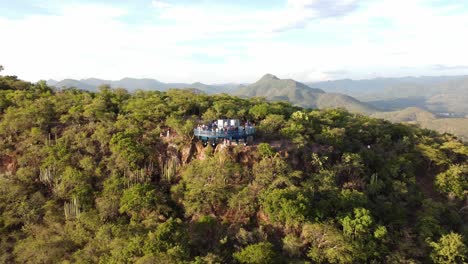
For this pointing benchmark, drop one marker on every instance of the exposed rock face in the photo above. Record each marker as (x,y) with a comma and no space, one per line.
(188,152)
(8,164)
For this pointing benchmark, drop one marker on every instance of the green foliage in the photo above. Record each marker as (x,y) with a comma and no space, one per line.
(261,253)
(287,207)
(292,245)
(13,83)
(209,115)
(270,172)
(271,125)
(380,232)
(265,150)
(327,244)
(295,132)
(433,154)
(170,238)
(454,181)
(142,199)
(181,127)
(44,245)
(259,111)
(209,184)
(243,206)
(449,249)
(358,224)
(128,150)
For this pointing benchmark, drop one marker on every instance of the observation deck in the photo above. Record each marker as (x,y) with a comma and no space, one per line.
(225,129)
(229,134)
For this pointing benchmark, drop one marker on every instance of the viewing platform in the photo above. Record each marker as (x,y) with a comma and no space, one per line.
(225,130)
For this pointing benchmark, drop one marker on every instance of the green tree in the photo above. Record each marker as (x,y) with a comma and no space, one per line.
(170,238)
(108,203)
(271,125)
(449,249)
(271,172)
(454,181)
(44,244)
(261,253)
(209,184)
(242,206)
(142,199)
(287,207)
(327,244)
(75,184)
(129,152)
(259,111)
(358,224)
(265,150)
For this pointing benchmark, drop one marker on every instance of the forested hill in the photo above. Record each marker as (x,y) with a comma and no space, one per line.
(93,178)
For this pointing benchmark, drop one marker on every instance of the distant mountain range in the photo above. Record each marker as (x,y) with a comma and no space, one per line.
(133,84)
(441,95)
(273,88)
(269,86)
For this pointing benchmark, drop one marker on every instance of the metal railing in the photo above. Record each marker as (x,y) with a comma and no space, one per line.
(222,133)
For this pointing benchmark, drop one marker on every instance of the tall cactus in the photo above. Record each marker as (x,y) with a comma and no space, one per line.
(140,175)
(47,175)
(169,169)
(72,209)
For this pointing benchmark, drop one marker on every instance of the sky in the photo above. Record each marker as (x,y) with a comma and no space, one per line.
(220,41)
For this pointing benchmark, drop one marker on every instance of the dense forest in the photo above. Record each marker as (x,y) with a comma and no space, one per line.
(117,177)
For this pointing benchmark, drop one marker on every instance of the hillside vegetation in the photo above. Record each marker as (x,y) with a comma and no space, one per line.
(93,178)
(414,115)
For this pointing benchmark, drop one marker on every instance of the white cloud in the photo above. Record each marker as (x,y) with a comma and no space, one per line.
(160,4)
(83,41)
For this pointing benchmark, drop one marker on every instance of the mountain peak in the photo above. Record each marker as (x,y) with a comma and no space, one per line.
(268,77)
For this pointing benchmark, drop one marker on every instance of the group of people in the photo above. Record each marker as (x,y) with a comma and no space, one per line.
(213,127)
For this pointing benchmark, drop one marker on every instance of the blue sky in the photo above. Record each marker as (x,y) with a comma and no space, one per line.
(233,41)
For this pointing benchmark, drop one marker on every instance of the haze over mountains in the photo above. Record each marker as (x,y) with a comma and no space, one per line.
(132,84)
(273,88)
(443,95)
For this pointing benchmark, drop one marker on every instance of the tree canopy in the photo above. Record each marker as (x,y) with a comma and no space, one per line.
(116,177)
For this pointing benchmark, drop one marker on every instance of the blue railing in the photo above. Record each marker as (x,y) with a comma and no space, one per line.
(239,133)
